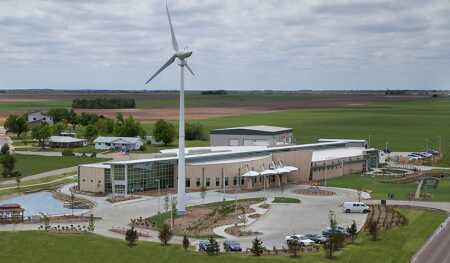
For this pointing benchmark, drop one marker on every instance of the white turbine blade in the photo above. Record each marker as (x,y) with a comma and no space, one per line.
(170,61)
(190,70)
(174,39)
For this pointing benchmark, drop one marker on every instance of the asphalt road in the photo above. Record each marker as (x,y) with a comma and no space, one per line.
(438,250)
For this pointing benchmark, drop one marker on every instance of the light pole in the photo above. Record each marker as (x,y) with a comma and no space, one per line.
(386,147)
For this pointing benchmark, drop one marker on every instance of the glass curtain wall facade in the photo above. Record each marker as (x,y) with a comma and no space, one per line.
(140,177)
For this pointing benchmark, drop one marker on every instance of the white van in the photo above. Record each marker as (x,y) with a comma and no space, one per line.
(356,207)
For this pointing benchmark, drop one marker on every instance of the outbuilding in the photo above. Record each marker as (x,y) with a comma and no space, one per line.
(118,143)
(261,135)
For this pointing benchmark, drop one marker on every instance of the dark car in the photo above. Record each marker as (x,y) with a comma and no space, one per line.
(318,239)
(339,230)
(231,245)
(203,245)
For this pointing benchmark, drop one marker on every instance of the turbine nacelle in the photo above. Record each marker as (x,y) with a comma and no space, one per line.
(183,54)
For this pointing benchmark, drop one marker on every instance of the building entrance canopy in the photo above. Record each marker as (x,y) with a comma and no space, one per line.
(268,172)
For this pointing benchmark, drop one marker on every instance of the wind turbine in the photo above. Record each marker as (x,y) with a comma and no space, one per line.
(181,55)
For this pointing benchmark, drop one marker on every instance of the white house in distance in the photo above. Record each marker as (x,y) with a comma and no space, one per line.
(118,143)
(37,117)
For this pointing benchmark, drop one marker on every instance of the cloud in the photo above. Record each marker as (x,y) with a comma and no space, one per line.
(244,44)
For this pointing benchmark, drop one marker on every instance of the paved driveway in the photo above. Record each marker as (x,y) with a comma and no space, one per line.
(311,216)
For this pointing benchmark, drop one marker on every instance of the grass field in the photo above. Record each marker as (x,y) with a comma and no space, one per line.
(406,126)
(380,190)
(395,246)
(34,164)
(46,183)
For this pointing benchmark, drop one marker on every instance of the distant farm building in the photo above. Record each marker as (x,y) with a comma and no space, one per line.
(118,143)
(252,136)
(66,142)
(38,117)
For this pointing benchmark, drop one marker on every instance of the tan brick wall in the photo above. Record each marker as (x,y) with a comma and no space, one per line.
(300,159)
(92,179)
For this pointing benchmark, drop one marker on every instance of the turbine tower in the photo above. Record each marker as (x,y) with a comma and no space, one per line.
(181,55)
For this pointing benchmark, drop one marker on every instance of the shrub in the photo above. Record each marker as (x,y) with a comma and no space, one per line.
(165,234)
(353,231)
(186,242)
(212,248)
(372,226)
(257,248)
(293,247)
(164,132)
(67,152)
(131,236)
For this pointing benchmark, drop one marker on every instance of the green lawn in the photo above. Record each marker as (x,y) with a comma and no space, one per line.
(44,184)
(406,126)
(34,164)
(286,200)
(395,246)
(380,190)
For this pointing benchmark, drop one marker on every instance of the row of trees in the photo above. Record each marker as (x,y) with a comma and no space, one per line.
(166,132)
(104,103)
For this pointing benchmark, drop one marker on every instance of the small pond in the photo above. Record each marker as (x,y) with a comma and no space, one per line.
(40,202)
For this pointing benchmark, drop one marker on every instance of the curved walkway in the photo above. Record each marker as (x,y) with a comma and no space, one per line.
(220,231)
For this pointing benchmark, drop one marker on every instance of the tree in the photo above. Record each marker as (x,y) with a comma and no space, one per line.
(257,248)
(8,162)
(373,229)
(128,127)
(164,131)
(90,132)
(165,234)
(195,131)
(293,247)
(41,133)
(57,128)
(186,242)
(131,236)
(58,114)
(330,245)
(87,118)
(353,231)
(16,124)
(212,248)
(4,149)
(72,118)
(91,223)
(105,126)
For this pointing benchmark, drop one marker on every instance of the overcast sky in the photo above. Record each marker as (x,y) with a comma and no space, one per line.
(237,44)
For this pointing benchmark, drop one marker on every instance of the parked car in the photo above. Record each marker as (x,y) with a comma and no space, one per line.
(301,239)
(232,245)
(318,239)
(433,152)
(203,245)
(356,207)
(339,230)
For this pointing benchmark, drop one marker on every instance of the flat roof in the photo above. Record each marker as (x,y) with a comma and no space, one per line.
(234,160)
(257,129)
(340,140)
(65,139)
(338,153)
(225,154)
(96,165)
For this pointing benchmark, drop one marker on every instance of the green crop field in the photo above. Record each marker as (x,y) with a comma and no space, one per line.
(34,164)
(406,126)
(380,190)
(397,245)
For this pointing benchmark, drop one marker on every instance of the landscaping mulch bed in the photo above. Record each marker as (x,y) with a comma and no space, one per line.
(386,216)
(239,231)
(315,191)
(121,199)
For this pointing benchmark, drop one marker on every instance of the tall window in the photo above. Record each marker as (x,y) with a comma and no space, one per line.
(119,172)
(226,181)
(208,182)
(234,180)
(217,181)
(198,182)
(188,182)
